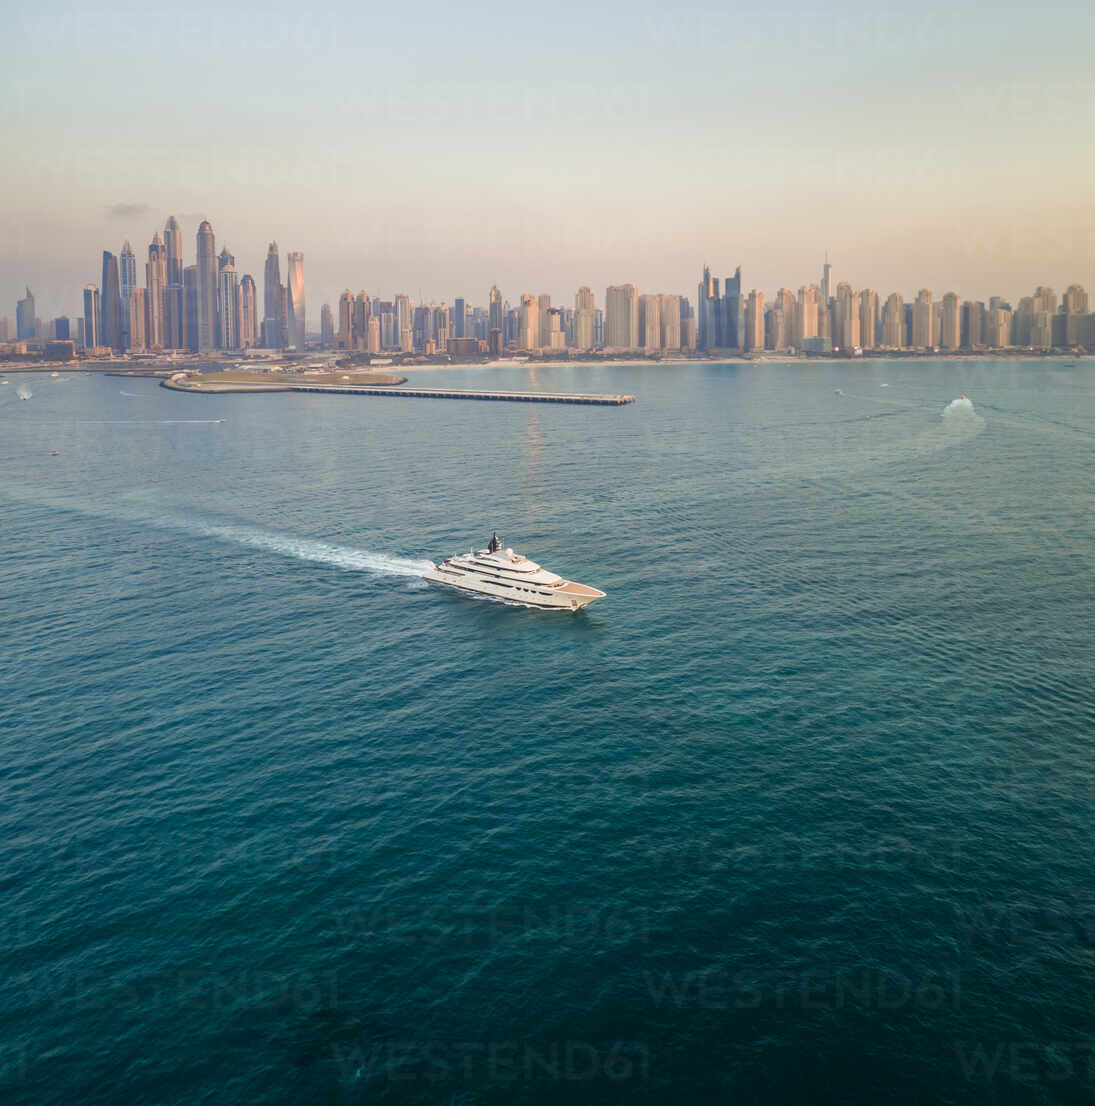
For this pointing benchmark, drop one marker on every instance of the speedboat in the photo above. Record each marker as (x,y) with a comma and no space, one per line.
(501,573)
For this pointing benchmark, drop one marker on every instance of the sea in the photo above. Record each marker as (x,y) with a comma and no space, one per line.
(802,812)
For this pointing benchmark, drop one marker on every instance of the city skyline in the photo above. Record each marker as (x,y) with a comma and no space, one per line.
(632,142)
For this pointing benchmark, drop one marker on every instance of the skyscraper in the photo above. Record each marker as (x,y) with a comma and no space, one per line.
(207,287)
(155,281)
(228,326)
(846,318)
(271,316)
(172,240)
(111,330)
(893,322)
(826,280)
(706,295)
(25,316)
(127,275)
(868,318)
(922,320)
(650,322)
(174,313)
(669,311)
(190,308)
(326,327)
(138,320)
(497,322)
(621,317)
(528,334)
(345,319)
(806,312)
(754,320)
(583,318)
(248,312)
(733,312)
(363,312)
(951,336)
(92,316)
(296,322)
(456,323)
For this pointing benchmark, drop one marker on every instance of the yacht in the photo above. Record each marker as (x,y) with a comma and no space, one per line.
(499,572)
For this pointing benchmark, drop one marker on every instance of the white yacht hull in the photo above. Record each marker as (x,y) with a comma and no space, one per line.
(566,597)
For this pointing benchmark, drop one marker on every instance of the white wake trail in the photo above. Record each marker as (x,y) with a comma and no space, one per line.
(304,549)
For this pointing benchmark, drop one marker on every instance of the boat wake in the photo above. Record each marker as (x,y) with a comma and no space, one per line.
(305,549)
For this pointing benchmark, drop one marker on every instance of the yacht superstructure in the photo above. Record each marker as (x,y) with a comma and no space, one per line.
(499,572)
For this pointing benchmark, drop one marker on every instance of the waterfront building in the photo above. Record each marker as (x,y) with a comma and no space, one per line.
(271,299)
(706,295)
(544,302)
(207,287)
(621,317)
(973,325)
(404,318)
(650,322)
(92,316)
(1075,307)
(137,323)
(248,312)
(806,311)
(846,318)
(326,327)
(497,310)
(922,320)
(459,314)
(781,321)
(1045,299)
(754,320)
(228,332)
(869,320)
(25,318)
(528,336)
(389,336)
(363,310)
(7,334)
(111,329)
(583,318)
(950,337)
(1041,331)
(732,320)
(439,326)
(190,308)
(669,312)
(893,322)
(374,335)
(296,323)
(155,279)
(127,277)
(172,240)
(999,326)
(346,320)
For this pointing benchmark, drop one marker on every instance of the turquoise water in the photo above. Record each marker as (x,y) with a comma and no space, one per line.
(801,812)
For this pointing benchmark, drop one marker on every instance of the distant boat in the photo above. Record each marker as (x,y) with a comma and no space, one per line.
(838,391)
(54,374)
(56,453)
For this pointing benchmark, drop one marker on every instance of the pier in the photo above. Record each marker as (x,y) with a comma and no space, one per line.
(193,386)
(463,393)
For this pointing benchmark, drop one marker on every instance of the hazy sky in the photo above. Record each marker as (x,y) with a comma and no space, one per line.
(438,147)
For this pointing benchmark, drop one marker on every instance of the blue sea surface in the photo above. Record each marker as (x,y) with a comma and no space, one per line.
(802,812)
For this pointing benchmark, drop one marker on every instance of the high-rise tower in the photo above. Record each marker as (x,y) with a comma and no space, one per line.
(295,278)
(111,331)
(172,240)
(207,287)
(271,299)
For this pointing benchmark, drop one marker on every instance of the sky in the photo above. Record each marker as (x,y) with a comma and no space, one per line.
(435,149)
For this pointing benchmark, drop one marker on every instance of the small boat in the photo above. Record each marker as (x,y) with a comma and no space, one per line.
(54,375)
(838,391)
(502,574)
(56,453)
